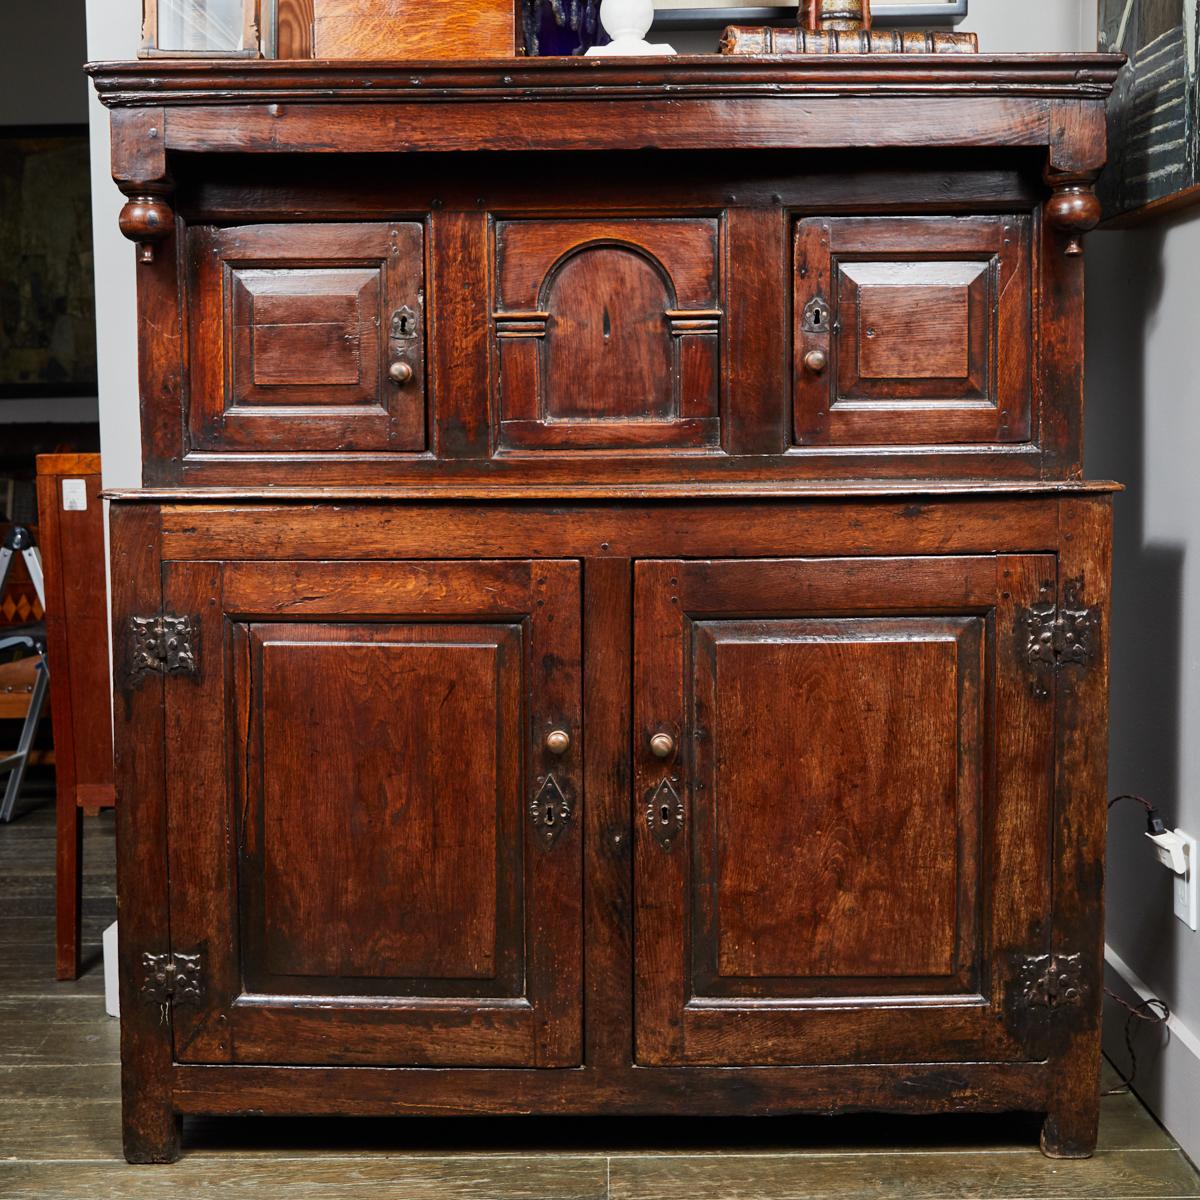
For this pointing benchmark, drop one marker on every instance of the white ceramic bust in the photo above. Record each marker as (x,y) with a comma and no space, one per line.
(627,22)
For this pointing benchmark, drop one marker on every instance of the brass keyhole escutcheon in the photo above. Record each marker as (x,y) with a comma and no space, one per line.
(558,741)
(400,373)
(816,361)
(662,745)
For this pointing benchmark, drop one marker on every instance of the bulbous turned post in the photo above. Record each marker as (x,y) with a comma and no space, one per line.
(147,218)
(1073,209)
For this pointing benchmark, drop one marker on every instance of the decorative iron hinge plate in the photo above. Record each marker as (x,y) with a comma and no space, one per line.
(1057,635)
(172,977)
(163,644)
(1053,980)
(551,811)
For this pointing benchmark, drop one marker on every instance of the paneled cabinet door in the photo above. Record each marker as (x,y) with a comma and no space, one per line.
(843,774)
(307,337)
(374,842)
(913,331)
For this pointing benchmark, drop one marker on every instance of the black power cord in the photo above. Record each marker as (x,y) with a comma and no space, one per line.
(1152,1011)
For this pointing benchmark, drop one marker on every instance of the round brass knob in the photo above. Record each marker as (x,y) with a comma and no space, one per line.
(816,361)
(558,741)
(400,372)
(662,745)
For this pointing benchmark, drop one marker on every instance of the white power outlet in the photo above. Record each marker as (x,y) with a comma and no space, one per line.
(1177,852)
(1187,886)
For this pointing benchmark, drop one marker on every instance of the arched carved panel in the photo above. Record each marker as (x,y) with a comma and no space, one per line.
(608,334)
(608,351)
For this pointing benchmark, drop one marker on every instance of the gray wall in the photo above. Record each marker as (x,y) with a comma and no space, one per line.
(1143,427)
(42,51)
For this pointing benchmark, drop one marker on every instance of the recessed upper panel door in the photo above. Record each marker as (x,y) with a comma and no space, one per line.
(608,333)
(376,845)
(912,331)
(307,337)
(843,776)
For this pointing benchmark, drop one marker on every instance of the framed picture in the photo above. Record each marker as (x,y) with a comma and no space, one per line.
(712,14)
(1154,129)
(47,289)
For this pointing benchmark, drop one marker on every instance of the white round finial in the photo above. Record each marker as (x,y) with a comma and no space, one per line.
(627,22)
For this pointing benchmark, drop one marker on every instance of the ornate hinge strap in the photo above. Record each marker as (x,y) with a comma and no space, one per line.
(163,644)
(1057,635)
(1053,980)
(172,977)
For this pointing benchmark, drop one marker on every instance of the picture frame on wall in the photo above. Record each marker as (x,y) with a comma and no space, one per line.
(715,14)
(1154,115)
(47,285)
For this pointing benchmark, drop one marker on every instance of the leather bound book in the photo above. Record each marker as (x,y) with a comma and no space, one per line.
(764,39)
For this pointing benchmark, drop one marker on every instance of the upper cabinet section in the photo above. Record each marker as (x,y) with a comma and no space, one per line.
(708,272)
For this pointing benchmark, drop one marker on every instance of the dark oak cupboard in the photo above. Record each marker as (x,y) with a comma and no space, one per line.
(614,621)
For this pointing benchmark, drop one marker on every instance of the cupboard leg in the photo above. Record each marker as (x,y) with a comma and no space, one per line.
(1071,1133)
(152,1132)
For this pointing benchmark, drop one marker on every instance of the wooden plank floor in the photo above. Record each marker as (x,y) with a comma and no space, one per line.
(60,1118)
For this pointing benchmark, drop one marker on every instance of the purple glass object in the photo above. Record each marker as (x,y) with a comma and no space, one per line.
(562,26)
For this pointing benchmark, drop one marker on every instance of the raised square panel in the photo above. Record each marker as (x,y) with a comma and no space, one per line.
(295,329)
(404,880)
(825,781)
(914,318)
(913,331)
(608,334)
(312,329)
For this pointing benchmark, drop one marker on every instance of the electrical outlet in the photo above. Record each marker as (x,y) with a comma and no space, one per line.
(1187,886)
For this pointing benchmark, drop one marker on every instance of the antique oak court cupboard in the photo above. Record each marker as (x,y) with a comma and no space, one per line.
(614,622)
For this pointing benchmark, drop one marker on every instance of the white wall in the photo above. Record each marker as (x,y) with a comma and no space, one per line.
(113,29)
(1002,25)
(1042,26)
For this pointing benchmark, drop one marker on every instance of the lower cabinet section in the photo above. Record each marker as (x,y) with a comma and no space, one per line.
(417,819)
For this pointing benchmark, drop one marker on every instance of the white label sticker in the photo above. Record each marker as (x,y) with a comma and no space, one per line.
(74,495)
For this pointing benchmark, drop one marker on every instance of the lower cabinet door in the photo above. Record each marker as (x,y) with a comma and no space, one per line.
(843,784)
(374,843)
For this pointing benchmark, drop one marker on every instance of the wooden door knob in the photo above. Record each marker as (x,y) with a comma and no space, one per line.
(816,361)
(558,741)
(400,372)
(662,745)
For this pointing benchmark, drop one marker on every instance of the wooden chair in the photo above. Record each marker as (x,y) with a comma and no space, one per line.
(72,542)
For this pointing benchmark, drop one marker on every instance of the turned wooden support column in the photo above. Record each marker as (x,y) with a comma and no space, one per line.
(1073,209)
(147,218)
